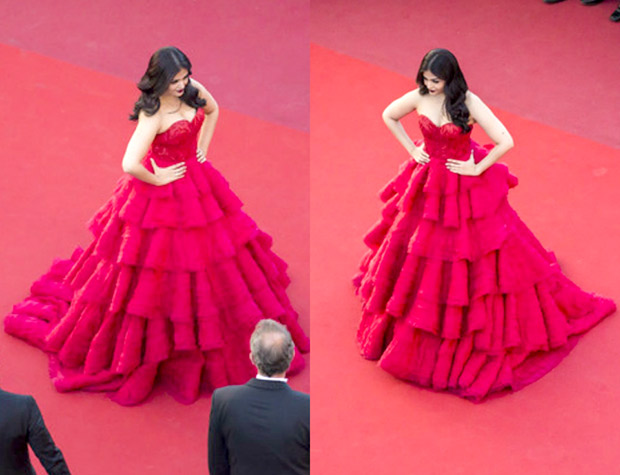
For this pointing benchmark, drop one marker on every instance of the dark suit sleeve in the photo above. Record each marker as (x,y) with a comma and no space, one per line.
(42,444)
(218,451)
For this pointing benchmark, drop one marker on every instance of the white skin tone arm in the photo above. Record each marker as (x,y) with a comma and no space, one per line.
(211,114)
(139,143)
(496,131)
(478,111)
(397,110)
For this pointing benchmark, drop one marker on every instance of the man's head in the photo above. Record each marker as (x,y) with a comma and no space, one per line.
(271,348)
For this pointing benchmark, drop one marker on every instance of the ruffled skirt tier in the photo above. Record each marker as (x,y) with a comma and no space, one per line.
(457,293)
(169,291)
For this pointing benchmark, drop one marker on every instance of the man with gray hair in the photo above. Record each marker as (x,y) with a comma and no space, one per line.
(263,426)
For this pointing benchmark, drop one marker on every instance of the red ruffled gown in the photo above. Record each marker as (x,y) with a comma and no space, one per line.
(169,290)
(458,295)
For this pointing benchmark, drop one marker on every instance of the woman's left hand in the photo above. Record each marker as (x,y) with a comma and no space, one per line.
(201,155)
(467,168)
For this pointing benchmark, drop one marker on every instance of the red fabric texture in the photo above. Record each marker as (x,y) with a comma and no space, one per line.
(457,293)
(168,292)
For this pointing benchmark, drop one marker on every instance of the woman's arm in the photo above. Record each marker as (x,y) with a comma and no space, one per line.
(391,116)
(208,127)
(137,147)
(493,128)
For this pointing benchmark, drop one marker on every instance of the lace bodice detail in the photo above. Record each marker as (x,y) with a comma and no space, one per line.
(178,143)
(447,141)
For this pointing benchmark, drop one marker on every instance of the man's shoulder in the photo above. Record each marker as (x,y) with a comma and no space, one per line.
(233,392)
(23,399)
(300,396)
(228,392)
(299,402)
(16,404)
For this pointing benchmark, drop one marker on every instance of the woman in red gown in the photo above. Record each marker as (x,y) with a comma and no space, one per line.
(458,294)
(177,275)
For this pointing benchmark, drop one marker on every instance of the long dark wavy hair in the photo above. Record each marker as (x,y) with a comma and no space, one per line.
(444,65)
(163,66)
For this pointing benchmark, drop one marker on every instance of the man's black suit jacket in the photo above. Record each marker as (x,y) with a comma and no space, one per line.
(262,427)
(21,424)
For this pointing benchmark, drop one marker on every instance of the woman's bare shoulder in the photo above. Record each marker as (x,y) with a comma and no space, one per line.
(148,122)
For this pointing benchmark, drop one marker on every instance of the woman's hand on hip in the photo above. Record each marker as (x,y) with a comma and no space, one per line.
(419,154)
(201,155)
(466,168)
(169,174)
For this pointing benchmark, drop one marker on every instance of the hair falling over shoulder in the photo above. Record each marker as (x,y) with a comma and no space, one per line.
(443,64)
(163,66)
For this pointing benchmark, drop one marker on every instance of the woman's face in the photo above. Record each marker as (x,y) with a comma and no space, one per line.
(177,86)
(434,85)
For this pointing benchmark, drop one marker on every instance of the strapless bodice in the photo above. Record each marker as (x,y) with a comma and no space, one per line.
(446,141)
(177,143)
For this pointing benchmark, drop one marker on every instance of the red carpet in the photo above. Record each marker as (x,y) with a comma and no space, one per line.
(366,421)
(550,72)
(61,159)
(556,64)
(252,54)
